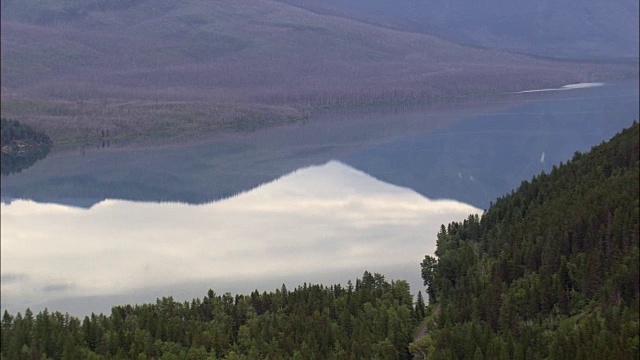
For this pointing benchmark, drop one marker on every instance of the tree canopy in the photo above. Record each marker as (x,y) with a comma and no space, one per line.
(548,271)
(372,318)
(22,146)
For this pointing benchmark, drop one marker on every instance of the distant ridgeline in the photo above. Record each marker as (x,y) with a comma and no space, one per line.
(22,146)
(549,271)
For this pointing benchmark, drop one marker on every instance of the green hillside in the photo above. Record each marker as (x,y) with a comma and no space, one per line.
(549,271)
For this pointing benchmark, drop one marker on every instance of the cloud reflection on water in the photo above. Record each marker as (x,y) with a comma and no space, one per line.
(318,219)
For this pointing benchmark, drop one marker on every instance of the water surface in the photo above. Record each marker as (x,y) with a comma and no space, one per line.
(312,223)
(318,202)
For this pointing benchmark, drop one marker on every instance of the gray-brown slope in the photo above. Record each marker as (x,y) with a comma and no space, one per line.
(152,66)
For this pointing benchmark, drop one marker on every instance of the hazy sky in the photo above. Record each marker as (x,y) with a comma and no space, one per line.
(328,219)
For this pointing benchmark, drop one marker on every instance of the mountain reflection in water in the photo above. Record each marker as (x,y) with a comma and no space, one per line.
(328,219)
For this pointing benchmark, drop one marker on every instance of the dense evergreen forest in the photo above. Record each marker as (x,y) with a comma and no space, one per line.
(372,319)
(22,146)
(548,272)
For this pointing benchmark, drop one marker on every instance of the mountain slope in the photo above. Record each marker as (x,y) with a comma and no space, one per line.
(257,44)
(559,29)
(158,66)
(549,271)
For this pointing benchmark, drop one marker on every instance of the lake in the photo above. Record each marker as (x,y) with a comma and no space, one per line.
(321,201)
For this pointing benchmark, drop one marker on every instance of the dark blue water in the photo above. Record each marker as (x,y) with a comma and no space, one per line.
(483,157)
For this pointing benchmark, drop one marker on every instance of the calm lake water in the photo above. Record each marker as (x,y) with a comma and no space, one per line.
(317,202)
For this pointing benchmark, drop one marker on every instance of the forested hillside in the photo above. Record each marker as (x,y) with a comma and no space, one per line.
(549,271)
(372,319)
